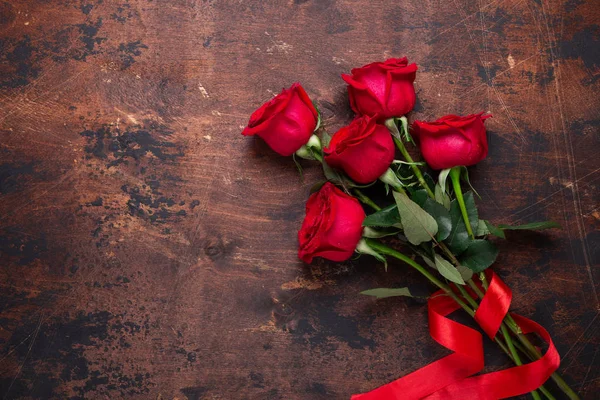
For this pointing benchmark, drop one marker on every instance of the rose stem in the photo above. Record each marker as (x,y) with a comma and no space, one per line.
(380,247)
(531,351)
(365,199)
(511,349)
(414,167)
(509,342)
(455,176)
(391,252)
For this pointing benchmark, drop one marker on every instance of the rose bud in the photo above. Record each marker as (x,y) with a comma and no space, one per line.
(364,150)
(452,140)
(382,89)
(286,122)
(332,227)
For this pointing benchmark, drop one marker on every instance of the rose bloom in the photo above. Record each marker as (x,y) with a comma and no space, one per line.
(332,227)
(382,89)
(364,150)
(286,122)
(452,140)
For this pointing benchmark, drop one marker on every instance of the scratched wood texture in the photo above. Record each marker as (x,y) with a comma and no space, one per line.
(148,250)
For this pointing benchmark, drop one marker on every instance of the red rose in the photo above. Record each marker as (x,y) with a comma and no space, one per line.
(364,150)
(382,89)
(452,140)
(286,122)
(332,227)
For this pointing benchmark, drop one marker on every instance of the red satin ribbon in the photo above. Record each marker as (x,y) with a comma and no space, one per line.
(451,377)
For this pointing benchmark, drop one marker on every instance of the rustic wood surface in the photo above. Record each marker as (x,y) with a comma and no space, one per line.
(148,250)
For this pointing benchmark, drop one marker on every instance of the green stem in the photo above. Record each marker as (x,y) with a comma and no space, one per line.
(475,288)
(467,296)
(517,345)
(414,167)
(383,249)
(455,176)
(546,393)
(534,354)
(515,354)
(508,339)
(365,199)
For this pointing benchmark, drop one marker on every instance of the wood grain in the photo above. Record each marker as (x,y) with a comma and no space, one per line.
(148,250)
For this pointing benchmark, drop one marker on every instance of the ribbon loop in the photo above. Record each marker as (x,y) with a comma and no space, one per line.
(451,377)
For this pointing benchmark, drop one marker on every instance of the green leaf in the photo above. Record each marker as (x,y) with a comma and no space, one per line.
(447,270)
(425,250)
(465,272)
(382,293)
(533,226)
(418,226)
(385,217)
(419,197)
(479,255)
(471,210)
(482,229)
(441,216)
(458,240)
(494,230)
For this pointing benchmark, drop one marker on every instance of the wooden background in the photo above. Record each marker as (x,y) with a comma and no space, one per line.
(148,250)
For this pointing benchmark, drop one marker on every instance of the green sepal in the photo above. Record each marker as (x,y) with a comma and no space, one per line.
(372,233)
(441,196)
(325,138)
(404,124)
(338,178)
(316,187)
(464,175)
(298,167)
(393,128)
(442,179)
(389,177)
(363,248)
(417,163)
(318,117)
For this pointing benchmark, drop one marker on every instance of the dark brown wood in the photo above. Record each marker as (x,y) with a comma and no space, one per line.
(148,250)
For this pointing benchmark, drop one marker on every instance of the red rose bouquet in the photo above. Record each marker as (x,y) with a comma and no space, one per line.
(430,218)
